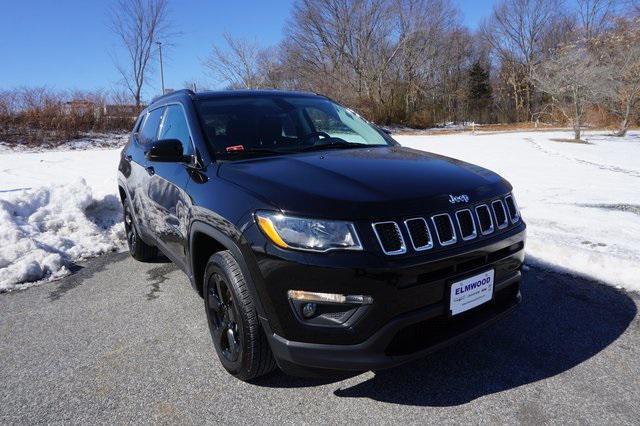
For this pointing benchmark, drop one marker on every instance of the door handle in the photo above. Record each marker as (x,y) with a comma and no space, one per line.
(128,158)
(151,170)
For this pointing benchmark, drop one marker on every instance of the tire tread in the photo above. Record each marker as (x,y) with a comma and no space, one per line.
(261,360)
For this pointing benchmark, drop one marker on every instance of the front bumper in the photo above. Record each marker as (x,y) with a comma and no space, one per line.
(408,337)
(410,313)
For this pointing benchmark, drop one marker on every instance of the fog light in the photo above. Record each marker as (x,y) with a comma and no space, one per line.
(331,298)
(309,310)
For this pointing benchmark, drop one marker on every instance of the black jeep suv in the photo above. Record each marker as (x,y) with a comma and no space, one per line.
(317,242)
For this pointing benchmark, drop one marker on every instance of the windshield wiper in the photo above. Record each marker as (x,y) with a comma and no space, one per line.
(334,144)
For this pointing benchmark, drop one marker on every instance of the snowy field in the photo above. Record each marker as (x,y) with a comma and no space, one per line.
(581,202)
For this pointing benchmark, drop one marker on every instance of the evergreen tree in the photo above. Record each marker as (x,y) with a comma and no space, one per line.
(479,93)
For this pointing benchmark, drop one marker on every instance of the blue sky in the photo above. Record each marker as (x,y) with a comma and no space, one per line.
(66,44)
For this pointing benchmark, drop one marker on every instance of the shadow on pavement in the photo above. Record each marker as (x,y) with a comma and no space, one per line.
(563,321)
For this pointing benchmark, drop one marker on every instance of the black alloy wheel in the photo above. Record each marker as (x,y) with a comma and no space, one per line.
(223,313)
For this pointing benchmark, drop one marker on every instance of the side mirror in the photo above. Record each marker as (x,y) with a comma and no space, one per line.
(166,151)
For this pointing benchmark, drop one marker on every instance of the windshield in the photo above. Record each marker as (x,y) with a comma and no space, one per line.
(241,127)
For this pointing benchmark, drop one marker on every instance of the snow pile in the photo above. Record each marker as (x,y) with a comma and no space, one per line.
(581,202)
(57,207)
(44,231)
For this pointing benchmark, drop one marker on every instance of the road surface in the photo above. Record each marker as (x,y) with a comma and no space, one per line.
(121,341)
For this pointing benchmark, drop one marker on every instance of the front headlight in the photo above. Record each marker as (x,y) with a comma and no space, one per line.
(308,234)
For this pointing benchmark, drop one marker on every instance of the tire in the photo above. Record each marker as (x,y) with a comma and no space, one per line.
(138,249)
(238,338)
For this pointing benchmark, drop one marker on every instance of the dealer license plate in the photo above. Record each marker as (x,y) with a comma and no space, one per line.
(471,292)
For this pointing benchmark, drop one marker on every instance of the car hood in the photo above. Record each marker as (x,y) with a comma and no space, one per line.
(363,183)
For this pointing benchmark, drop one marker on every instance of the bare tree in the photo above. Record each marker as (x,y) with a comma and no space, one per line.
(595,16)
(620,51)
(121,96)
(574,79)
(345,40)
(8,102)
(431,35)
(240,64)
(516,31)
(139,24)
(376,55)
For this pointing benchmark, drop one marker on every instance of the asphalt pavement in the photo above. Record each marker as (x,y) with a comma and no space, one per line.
(126,342)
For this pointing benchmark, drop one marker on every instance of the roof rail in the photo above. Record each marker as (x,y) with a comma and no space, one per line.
(187,92)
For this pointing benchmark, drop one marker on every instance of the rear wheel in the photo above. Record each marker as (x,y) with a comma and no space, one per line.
(233,321)
(138,249)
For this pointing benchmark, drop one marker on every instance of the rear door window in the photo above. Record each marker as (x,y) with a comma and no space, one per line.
(149,130)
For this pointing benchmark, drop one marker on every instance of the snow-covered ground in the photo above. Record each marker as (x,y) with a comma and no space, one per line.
(56,208)
(581,202)
(86,141)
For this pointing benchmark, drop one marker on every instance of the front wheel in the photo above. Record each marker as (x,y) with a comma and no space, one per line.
(233,321)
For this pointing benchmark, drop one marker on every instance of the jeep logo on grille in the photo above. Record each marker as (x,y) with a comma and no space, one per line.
(462,198)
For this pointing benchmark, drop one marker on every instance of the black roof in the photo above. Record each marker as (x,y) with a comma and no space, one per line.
(251,92)
(234,93)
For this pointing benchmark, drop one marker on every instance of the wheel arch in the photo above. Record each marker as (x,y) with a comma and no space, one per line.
(204,241)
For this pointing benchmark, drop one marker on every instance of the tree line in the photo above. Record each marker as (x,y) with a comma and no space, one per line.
(401,62)
(414,62)
(44,116)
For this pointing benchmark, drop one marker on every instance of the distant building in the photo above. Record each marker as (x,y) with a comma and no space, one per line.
(121,110)
(81,106)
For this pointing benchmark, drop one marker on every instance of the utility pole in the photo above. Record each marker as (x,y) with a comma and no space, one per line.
(161,70)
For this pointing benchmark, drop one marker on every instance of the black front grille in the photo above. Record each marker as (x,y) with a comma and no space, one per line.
(501,215)
(444,229)
(435,231)
(390,237)
(466,225)
(484,219)
(419,233)
(513,210)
